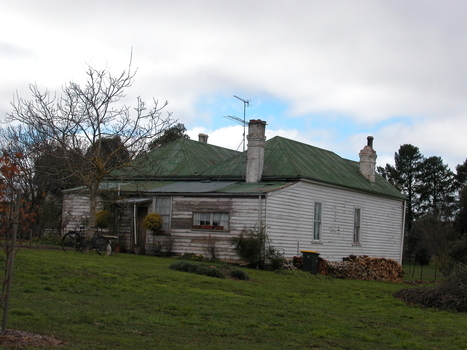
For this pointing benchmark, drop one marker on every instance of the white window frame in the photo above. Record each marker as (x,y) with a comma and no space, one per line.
(211,218)
(163,206)
(357,225)
(317,221)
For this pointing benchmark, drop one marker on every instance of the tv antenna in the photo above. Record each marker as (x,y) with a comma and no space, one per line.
(246,103)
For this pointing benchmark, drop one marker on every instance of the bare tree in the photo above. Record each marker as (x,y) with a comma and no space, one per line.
(84,120)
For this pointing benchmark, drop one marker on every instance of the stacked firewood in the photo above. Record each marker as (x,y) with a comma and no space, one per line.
(363,268)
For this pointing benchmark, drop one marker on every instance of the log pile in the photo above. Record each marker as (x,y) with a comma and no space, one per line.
(363,268)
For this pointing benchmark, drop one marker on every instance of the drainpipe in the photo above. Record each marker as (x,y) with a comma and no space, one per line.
(403,231)
(134,224)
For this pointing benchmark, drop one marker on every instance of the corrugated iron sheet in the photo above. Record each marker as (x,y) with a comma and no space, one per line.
(285,160)
(288,159)
(201,187)
(183,157)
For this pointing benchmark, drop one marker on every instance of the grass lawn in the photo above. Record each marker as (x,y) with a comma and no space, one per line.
(136,302)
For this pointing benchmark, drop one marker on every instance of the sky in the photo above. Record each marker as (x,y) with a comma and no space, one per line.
(326,73)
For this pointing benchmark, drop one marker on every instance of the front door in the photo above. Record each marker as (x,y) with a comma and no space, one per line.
(140,237)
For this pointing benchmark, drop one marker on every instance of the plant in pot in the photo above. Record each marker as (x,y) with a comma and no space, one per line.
(153,222)
(104,219)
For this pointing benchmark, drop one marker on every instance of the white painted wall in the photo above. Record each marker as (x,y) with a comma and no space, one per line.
(245,212)
(290,222)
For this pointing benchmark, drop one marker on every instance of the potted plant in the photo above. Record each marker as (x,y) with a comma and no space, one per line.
(153,222)
(104,219)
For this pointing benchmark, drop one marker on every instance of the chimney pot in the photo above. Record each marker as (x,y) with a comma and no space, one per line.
(255,151)
(368,160)
(203,138)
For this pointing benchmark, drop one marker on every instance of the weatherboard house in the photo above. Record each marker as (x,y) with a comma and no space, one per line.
(304,197)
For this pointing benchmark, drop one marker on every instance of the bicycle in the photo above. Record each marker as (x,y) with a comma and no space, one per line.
(78,241)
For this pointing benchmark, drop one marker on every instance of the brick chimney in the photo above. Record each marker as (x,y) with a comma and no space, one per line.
(255,152)
(368,160)
(203,138)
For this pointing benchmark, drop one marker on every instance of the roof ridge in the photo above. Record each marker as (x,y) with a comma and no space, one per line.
(306,145)
(290,157)
(186,152)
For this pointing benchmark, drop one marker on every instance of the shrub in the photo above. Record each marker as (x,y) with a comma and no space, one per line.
(210,270)
(192,256)
(200,269)
(239,274)
(253,246)
(184,266)
(153,222)
(455,254)
(104,219)
(450,294)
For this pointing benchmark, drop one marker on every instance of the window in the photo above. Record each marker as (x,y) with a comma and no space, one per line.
(317,221)
(356,225)
(162,207)
(208,220)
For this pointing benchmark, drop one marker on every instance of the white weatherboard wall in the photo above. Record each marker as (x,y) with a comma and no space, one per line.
(75,211)
(289,216)
(244,212)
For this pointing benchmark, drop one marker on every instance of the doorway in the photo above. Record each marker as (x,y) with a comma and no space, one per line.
(139,246)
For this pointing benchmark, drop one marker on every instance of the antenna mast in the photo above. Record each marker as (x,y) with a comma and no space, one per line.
(246,103)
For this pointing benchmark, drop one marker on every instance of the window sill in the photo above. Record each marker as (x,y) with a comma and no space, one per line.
(316,242)
(356,244)
(213,229)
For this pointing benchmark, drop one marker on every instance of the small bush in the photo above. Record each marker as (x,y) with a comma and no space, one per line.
(253,246)
(210,270)
(200,269)
(153,222)
(450,294)
(104,219)
(184,266)
(454,255)
(192,256)
(239,274)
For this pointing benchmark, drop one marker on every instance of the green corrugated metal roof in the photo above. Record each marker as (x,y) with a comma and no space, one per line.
(288,159)
(284,160)
(233,187)
(180,158)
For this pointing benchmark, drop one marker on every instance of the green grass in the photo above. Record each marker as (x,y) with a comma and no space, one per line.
(426,273)
(137,302)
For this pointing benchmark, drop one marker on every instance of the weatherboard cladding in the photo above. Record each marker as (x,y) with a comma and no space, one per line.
(290,222)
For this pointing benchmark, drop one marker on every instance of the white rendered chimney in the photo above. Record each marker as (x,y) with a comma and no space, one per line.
(368,160)
(255,152)
(203,138)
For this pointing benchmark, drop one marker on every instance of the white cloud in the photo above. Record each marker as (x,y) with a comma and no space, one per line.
(363,62)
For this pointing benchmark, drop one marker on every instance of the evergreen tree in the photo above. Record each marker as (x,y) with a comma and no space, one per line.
(436,188)
(405,176)
(461,175)
(171,134)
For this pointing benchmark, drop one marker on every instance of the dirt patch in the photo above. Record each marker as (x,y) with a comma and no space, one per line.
(20,340)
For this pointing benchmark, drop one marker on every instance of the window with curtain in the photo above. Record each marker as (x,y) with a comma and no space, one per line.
(356,230)
(219,221)
(317,221)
